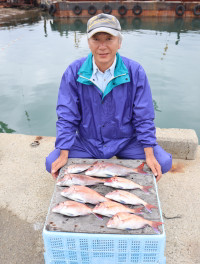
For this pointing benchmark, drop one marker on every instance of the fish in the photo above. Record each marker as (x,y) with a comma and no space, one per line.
(83,194)
(78,179)
(125,197)
(71,208)
(126,221)
(77,168)
(105,169)
(111,208)
(122,183)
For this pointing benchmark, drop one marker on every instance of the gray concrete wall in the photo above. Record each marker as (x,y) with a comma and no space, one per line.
(181,143)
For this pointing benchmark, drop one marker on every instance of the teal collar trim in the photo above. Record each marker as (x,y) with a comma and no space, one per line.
(86,69)
(121,74)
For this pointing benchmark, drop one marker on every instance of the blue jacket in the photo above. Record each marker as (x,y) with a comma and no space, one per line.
(105,122)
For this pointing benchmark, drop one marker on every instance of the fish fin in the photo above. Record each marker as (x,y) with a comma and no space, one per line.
(146,188)
(149,206)
(155,225)
(138,210)
(98,216)
(122,202)
(109,175)
(80,201)
(68,214)
(139,169)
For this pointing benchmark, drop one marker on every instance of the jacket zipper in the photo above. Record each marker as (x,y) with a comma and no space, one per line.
(108,82)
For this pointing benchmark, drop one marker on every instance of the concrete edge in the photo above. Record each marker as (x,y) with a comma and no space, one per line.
(180,143)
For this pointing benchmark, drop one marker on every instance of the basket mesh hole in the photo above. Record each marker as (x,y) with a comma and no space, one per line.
(72,255)
(122,257)
(135,246)
(149,258)
(85,256)
(84,244)
(71,245)
(122,246)
(103,255)
(135,258)
(103,245)
(56,243)
(58,254)
(151,246)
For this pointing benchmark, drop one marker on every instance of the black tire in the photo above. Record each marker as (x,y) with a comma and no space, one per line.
(77,10)
(92,10)
(197,10)
(107,9)
(180,10)
(122,10)
(137,10)
(52,10)
(43,7)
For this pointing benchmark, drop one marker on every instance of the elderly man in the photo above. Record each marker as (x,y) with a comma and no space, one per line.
(105,106)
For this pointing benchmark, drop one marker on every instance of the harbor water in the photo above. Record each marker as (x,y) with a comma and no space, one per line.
(34,53)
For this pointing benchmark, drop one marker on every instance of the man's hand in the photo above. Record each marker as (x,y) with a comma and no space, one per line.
(153,163)
(59,163)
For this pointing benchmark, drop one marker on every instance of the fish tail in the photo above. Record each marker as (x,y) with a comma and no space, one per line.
(139,169)
(137,210)
(155,225)
(149,206)
(146,188)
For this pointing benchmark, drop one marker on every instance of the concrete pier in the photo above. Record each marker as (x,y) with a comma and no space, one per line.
(26,190)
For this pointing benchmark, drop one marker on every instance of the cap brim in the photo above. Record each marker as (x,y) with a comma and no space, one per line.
(110,31)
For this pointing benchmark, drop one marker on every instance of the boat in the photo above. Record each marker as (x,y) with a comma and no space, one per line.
(168,8)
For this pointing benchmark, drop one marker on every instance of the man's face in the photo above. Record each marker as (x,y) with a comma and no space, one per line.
(104,48)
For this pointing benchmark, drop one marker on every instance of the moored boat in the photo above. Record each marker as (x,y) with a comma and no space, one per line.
(168,8)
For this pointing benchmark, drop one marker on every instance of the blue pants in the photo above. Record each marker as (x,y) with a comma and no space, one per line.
(133,151)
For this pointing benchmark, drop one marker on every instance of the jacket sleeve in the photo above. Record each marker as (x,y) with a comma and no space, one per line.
(67,111)
(143,111)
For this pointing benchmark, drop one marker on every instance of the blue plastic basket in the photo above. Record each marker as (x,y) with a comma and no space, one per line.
(49,261)
(84,248)
(76,248)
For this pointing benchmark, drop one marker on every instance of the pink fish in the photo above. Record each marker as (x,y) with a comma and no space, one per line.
(83,194)
(77,168)
(105,169)
(122,183)
(128,198)
(111,208)
(126,221)
(72,208)
(78,179)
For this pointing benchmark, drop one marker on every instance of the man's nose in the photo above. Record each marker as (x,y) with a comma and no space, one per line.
(102,45)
